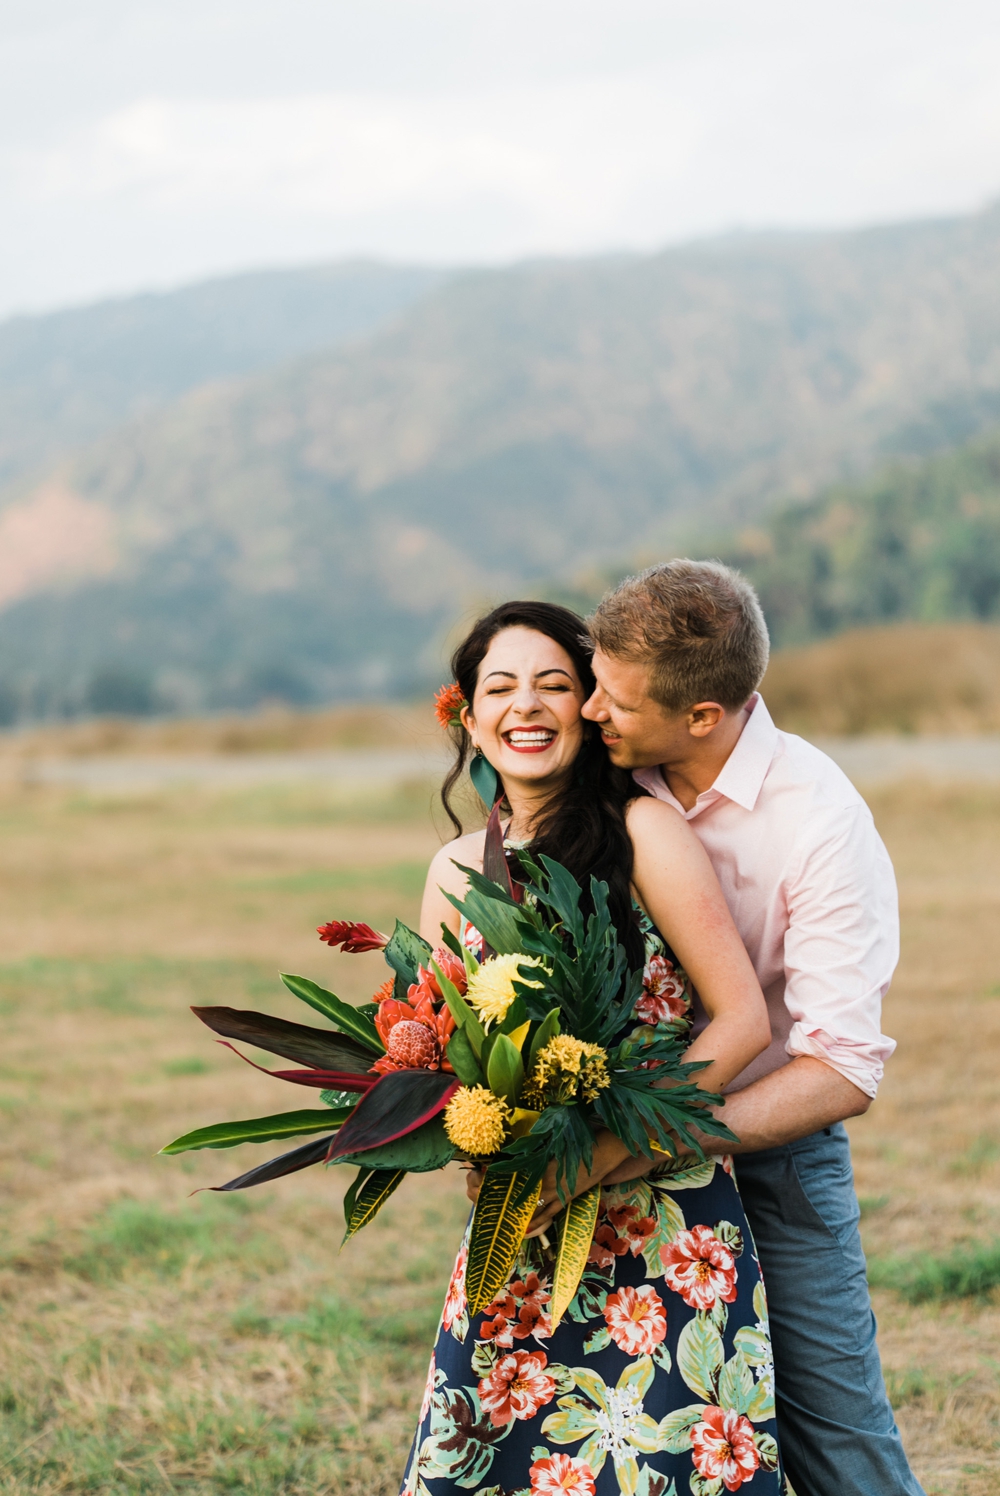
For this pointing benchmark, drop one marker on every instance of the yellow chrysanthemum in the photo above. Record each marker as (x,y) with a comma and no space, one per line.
(491,988)
(476,1120)
(568,1067)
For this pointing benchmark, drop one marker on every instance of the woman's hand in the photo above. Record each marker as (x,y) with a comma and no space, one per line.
(610,1157)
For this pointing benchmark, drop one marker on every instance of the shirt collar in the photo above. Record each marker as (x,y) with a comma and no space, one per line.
(742,775)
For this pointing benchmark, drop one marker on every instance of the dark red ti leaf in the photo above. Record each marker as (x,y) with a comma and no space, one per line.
(322,1080)
(285,1163)
(400,1102)
(321,1048)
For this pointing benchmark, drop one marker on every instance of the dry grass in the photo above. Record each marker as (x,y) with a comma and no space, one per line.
(272,730)
(153,1342)
(906,678)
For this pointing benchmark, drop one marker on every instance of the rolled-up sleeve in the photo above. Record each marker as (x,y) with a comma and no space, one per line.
(842,945)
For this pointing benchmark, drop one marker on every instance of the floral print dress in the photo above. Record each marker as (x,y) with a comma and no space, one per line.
(657,1382)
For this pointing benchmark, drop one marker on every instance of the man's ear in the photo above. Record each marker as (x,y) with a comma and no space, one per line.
(704,718)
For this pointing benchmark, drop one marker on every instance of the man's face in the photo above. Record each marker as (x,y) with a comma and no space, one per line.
(637,732)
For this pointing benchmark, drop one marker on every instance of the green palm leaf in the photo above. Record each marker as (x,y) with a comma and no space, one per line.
(260,1129)
(498,1228)
(348,1019)
(576,1232)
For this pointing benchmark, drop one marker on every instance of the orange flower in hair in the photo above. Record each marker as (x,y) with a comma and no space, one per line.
(448,704)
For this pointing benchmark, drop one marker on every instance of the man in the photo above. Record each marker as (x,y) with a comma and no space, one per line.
(679,653)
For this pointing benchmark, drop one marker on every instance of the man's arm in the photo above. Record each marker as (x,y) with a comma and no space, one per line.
(790,1103)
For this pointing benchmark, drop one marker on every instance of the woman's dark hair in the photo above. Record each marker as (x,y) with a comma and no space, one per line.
(583,827)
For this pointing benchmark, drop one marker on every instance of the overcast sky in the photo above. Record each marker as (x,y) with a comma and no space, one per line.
(144,143)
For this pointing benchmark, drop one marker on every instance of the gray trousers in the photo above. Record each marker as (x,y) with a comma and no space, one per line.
(836,1429)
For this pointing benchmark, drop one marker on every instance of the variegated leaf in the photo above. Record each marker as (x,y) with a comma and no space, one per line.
(719,1315)
(497,1233)
(700,1357)
(760,1303)
(638,1375)
(598,1341)
(370,1198)
(593,1385)
(627,1471)
(675,1429)
(761,1406)
(731,1235)
(652,1483)
(767,1449)
(645,1433)
(576,1232)
(693,1178)
(669,1221)
(755,1346)
(736,1384)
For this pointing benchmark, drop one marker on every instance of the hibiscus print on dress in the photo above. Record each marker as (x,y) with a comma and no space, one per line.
(453,1314)
(636,1319)
(724,1447)
(561,1475)
(664,994)
(517,1387)
(517,1313)
(622,1230)
(425,1406)
(701,1268)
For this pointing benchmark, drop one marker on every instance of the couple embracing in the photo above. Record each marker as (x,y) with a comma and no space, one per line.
(747,880)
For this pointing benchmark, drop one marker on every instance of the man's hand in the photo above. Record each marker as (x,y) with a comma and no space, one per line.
(473,1179)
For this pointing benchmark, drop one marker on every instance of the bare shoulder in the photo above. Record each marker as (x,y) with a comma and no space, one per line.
(647,816)
(466,851)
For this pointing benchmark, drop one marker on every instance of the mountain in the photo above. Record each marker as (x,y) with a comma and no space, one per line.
(310,532)
(70,376)
(917,541)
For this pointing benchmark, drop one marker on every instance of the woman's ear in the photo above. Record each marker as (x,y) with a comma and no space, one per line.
(468,721)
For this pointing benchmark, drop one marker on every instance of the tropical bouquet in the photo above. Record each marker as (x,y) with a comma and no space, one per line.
(509,1057)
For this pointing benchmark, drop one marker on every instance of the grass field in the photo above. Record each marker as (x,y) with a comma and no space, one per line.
(156,1342)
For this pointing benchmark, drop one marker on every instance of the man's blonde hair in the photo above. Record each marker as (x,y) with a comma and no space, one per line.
(698,626)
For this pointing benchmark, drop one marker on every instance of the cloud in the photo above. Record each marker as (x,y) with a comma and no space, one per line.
(565,159)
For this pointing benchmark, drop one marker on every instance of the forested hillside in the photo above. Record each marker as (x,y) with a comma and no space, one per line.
(312,531)
(918,541)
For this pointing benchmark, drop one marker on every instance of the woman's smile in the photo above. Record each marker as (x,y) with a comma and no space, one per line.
(529,739)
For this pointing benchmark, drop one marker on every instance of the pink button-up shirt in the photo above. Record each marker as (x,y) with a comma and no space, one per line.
(812,891)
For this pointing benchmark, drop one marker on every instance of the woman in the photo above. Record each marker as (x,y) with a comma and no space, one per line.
(658,1380)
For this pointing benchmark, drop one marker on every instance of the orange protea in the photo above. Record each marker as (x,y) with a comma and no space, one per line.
(448,703)
(352,936)
(409,1049)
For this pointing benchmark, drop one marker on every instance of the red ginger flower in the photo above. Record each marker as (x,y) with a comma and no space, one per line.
(722,1445)
(351,936)
(451,966)
(448,703)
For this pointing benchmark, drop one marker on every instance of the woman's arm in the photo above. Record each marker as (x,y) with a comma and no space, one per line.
(442,873)
(677,886)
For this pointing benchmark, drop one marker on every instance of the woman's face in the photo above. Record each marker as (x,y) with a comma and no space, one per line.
(525,715)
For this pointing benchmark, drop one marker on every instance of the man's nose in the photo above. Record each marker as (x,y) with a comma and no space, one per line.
(593,708)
